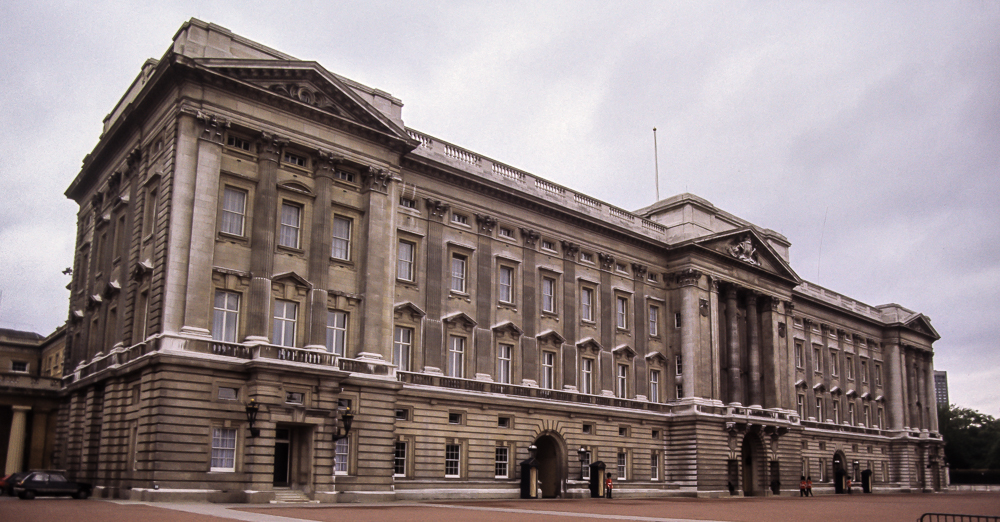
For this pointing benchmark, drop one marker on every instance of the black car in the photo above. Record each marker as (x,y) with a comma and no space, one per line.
(50,484)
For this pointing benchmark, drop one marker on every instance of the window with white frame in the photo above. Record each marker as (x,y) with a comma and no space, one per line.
(294,159)
(864,371)
(587,304)
(834,367)
(621,312)
(817,359)
(548,294)
(452,460)
(868,416)
(404,264)
(506,232)
(586,257)
(680,391)
(849,367)
(587,375)
(878,417)
(819,409)
(850,414)
(585,465)
(399,459)
(461,219)
(225,316)
(336,332)
(19,366)
(835,408)
(548,245)
(654,465)
(505,284)
(622,465)
(402,343)
(504,352)
(501,462)
(234,211)
(800,355)
(458,271)
(678,365)
(801,406)
(223,449)
(285,317)
(654,385)
(341,456)
(654,320)
(548,370)
(677,320)
(878,375)
(349,177)
(621,390)
(291,225)
(341,238)
(456,357)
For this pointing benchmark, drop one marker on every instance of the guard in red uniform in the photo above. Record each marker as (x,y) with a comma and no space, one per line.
(809,486)
(802,486)
(608,486)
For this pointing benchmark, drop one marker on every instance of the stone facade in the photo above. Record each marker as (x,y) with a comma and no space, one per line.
(255,228)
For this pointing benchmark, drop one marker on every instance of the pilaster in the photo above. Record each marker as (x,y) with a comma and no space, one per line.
(15,446)
(262,237)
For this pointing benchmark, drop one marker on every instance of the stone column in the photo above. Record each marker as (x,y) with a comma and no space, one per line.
(262,238)
(911,389)
(378,262)
(732,336)
(320,244)
(753,329)
(15,447)
(894,388)
(713,325)
(690,330)
(932,421)
(198,296)
(179,233)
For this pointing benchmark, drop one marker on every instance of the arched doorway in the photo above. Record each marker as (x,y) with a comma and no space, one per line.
(839,472)
(753,457)
(551,459)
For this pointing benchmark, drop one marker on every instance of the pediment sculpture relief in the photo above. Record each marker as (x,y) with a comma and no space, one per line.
(744,250)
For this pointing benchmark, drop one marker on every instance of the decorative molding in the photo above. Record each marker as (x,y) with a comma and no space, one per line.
(436,207)
(530,237)
(639,270)
(687,277)
(486,223)
(570,249)
(213,128)
(607,261)
(269,147)
(744,250)
(326,164)
(376,179)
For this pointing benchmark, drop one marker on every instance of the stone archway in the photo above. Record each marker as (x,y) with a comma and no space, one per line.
(754,460)
(839,472)
(551,459)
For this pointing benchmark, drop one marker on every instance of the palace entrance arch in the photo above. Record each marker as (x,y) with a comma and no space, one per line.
(754,459)
(839,472)
(551,458)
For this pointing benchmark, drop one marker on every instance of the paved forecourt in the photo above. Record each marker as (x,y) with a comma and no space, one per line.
(864,508)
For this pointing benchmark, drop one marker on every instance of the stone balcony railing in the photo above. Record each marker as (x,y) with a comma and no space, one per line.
(488,169)
(21,381)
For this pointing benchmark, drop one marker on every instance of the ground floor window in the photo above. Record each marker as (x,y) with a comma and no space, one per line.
(399,460)
(622,465)
(654,466)
(342,452)
(223,449)
(452,460)
(502,459)
(585,466)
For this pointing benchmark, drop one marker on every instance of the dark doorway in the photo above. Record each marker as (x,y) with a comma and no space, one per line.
(839,472)
(753,465)
(282,454)
(550,465)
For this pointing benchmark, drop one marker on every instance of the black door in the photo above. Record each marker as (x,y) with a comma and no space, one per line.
(282,451)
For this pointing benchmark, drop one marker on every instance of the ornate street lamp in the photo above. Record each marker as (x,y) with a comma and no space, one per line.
(252,408)
(348,419)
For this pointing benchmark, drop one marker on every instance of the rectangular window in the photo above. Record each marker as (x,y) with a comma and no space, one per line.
(622,312)
(341,238)
(836,411)
(452,460)
(503,363)
(654,320)
(336,332)
(585,466)
(677,320)
(296,160)
(501,463)
(402,414)
(621,390)
(460,219)
(680,391)
(399,460)
(868,416)
(19,366)
(223,449)
(505,285)
(652,278)
(801,406)
(341,456)
(586,258)
(458,263)
(622,465)
(654,385)
(587,376)
(348,177)
(454,418)
(548,295)
(228,394)
(679,364)
(225,316)
(294,397)
(285,317)
(507,232)
(864,372)
(587,304)
(800,355)
(548,370)
(116,248)
(234,211)
(822,470)
(503,422)
(238,143)
(878,418)
(548,245)
(402,342)
(878,375)
(620,267)
(404,265)
(291,223)
(654,465)
(407,203)
(819,409)
(817,360)
(149,216)
(834,370)
(850,414)
(849,367)
(456,357)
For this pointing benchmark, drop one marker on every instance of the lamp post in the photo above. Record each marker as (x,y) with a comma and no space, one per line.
(582,453)
(348,418)
(252,408)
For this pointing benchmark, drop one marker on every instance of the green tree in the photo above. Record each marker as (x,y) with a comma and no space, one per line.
(972,439)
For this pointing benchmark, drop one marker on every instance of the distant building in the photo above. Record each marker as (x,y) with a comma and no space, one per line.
(30,372)
(253,227)
(941,387)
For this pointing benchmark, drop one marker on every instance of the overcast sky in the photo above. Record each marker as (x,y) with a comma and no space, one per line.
(867,133)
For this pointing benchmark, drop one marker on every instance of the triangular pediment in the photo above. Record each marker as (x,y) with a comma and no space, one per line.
(459,320)
(293,278)
(507,328)
(308,84)
(920,323)
(625,350)
(408,308)
(551,336)
(745,247)
(589,343)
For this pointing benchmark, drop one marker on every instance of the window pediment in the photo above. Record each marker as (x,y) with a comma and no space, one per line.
(551,337)
(624,350)
(507,328)
(589,344)
(413,311)
(459,320)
